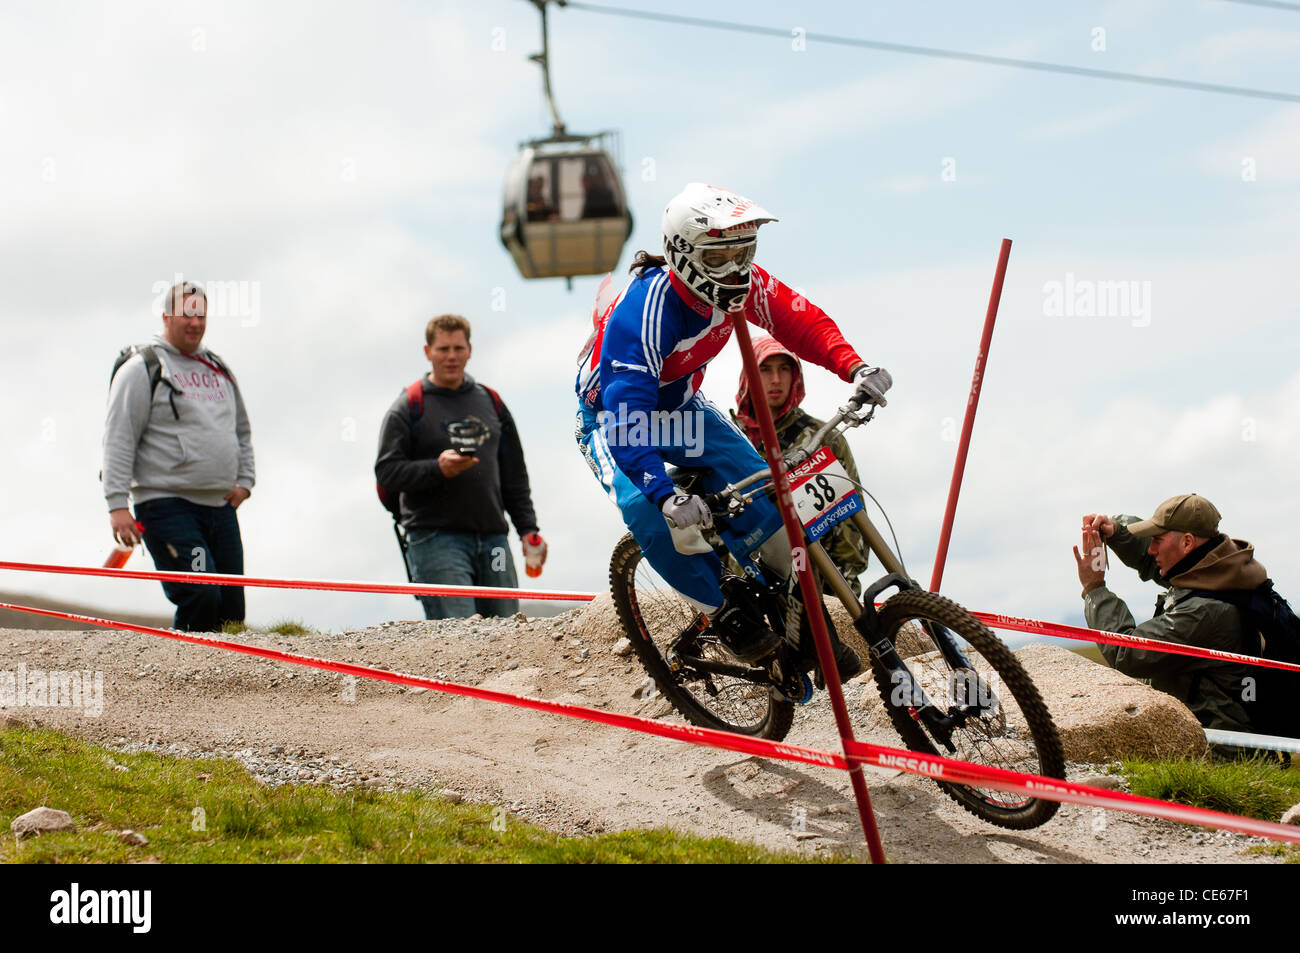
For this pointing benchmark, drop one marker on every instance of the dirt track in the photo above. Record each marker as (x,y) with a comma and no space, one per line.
(567,775)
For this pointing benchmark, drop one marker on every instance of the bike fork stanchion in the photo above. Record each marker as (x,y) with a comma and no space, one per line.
(972,402)
(812,599)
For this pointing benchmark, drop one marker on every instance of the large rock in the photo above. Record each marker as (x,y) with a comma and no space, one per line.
(40,820)
(1103,715)
(844,627)
(1100,714)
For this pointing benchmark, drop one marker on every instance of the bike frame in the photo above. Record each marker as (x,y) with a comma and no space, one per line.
(732,499)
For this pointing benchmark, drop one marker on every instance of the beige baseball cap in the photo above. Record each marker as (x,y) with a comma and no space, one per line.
(1187,513)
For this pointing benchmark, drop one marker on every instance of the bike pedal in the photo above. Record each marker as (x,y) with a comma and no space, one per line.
(807,692)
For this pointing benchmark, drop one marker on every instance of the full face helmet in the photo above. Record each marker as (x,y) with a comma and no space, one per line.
(710,235)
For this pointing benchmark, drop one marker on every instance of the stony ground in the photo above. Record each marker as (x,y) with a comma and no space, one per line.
(288,723)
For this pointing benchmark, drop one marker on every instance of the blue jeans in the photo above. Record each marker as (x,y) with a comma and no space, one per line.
(186,537)
(439,556)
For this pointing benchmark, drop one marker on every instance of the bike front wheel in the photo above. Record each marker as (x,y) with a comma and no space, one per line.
(655,617)
(999,716)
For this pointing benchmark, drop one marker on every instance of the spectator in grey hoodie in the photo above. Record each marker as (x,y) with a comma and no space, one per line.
(178,443)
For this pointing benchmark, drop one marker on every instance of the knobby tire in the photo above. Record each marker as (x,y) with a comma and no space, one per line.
(1029,743)
(652,615)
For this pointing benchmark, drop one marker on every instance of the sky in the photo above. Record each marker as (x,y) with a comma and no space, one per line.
(341,167)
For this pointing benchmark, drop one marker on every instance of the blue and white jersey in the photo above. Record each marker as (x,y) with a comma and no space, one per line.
(650,347)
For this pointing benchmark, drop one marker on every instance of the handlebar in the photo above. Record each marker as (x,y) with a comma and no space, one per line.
(729,497)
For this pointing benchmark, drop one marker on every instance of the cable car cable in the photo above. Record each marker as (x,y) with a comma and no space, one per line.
(543,59)
(1276,4)
(980,58)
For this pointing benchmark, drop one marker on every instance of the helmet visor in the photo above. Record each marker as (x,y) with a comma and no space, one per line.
(722,261)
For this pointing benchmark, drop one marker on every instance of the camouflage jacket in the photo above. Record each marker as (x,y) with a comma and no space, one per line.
(844,543)
(1213,690)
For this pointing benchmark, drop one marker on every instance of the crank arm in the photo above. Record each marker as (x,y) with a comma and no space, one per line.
(713,667)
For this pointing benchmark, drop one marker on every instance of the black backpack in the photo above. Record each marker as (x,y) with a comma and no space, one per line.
(1272,632)
(153,367)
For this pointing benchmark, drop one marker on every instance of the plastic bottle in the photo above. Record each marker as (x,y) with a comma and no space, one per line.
(118,557)
(120,554)
(534,554)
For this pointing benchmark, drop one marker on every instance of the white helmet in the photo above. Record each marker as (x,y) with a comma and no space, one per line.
(710,235)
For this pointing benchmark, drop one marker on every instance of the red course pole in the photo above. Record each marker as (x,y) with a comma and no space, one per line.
(811,597)
(972,402)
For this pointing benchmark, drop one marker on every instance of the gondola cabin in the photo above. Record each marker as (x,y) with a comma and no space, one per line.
(565,211)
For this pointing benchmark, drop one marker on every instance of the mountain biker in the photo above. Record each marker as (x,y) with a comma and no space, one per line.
(640,406)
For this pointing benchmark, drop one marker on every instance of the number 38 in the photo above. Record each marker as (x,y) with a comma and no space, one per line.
(821,490)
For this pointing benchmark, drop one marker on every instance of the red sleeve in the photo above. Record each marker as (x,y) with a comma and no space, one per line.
(798,324)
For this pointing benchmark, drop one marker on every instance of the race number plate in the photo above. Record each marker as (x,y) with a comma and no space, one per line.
(823,493)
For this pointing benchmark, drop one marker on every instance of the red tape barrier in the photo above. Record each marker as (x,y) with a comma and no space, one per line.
(930,766)
(691,733)
(1055,789)
(1063,631)
(332,585)
(995,620)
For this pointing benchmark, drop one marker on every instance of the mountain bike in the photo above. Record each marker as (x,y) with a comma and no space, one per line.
(949,685)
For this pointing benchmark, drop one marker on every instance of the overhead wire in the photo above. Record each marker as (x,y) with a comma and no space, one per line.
(907,49)
(1275,4)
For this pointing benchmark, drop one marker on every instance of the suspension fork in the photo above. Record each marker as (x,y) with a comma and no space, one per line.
(894,567)
(910,694)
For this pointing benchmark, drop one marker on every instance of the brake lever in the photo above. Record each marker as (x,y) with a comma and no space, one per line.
(715,503)
(792,458)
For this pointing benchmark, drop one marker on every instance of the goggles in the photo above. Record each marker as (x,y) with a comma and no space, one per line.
(720,261)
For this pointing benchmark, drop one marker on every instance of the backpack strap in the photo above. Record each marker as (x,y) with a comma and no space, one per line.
(498,404)
(392,500)
(415,406)
(152,363)
(220,365)
(152,368)
(415,398)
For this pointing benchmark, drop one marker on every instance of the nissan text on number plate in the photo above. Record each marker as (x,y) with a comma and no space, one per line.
(823,493)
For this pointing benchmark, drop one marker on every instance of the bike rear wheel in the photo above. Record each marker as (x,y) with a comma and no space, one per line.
(1014,732)
(653,616)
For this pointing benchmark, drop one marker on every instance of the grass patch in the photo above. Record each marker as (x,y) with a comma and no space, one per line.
(1290,853)
(283,627)
(291,627)
(1254,788)
(213,812)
